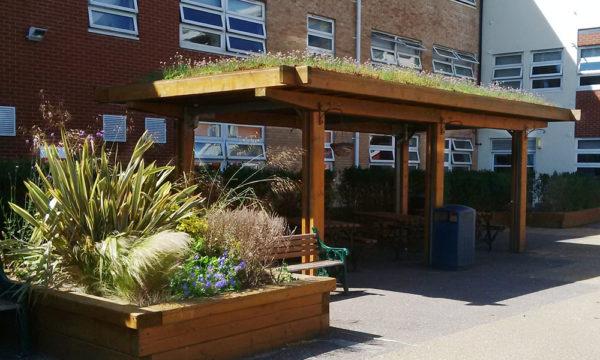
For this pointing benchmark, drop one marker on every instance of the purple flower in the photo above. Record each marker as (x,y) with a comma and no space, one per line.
(225,253)
(243,264)
(52,134)
(81,132)
(207,285)
(209,268)
(197,257)
(186,293)
(184,287)
(194,283)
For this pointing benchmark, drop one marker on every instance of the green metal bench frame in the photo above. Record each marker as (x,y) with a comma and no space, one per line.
(333,253)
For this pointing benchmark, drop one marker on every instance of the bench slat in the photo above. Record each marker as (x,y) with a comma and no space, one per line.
(314,265)
(294,254)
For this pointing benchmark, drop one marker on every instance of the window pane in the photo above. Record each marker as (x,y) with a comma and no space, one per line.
(591,52)
(203,17)
(445,53)
(461,158)
(121,3)
(328,137)
(113,20)
(508,59)
(546,70)
(464,145)
(214,3)
(200,37)
(413,156)
(245,150)
(530,160)
(320,25)
(589,80)
(510,72)
(447,144)
(545,83)
(245,132)
(589,171)
(381,140)
(329,154)
(502,159)
(547,56)
(237,43)
(245,8)
(408,61)
(382,155)
(413,142)
(588,144)
(246,26)
(513,84)
(383,56)
(208,150)
(383,41)
(447,158)
(588,158)
(589,66)
(212,130)
(502,145)
(442,67)
(320,42)
(468,72)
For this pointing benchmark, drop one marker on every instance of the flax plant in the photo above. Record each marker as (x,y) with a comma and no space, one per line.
(104,226)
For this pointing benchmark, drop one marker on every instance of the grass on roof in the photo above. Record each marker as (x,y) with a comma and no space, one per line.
(179,67)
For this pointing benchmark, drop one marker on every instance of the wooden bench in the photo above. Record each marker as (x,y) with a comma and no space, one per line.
(298,246)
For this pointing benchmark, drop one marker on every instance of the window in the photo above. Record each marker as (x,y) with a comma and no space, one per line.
(329,154)
(394,50)
(458,154)
(115,128)
(7,121)
(508,70)
(588,156)
(113,17)
(589,67)
(472,3)
(157,128)
(546,69)
(502,154)
(320,35)
(224,144)
(59,149)
(223,26)
(382,151)
(453,62)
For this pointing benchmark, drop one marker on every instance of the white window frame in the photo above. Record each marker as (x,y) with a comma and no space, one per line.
(224,31)
(531,150)
(414,149)
(201,47)
(157,140)
(392,148)
(321,34)
(450,149)
(454,58)
(503,79)
(586,151)
(468,3)
(114,10)
(534,64)
(328,146)
(587,73)
(121,136)
(409,43)
(11,118)
(225,142)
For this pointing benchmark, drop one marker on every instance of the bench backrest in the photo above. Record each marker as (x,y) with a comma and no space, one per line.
(295,246)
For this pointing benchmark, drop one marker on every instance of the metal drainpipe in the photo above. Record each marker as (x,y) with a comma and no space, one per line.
(358,35)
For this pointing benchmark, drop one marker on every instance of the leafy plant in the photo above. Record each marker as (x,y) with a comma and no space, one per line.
(90,211)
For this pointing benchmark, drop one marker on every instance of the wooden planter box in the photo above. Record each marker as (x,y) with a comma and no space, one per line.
(563,219)
(76,326)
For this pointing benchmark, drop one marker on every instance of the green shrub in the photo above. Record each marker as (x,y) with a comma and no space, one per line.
(95,220)
(482,190)
(567,192)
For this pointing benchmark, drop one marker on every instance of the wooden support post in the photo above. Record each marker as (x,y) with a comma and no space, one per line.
(401,173)
(185,143)
(313,177)
(434,181)
(518,191)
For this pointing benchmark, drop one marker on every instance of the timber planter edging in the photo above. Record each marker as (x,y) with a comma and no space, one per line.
(563,219)
(73,326)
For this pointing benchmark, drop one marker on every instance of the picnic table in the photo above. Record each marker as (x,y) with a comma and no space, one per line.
(399,229)
(486,230)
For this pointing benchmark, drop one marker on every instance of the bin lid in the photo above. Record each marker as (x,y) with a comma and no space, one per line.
(455,208)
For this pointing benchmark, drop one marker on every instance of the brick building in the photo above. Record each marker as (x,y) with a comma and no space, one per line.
(67,48)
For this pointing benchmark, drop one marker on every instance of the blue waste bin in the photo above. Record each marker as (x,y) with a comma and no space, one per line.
(453,241)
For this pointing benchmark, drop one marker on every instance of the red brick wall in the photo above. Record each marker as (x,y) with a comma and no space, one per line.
(587,37)
(71,61)
(589,103)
